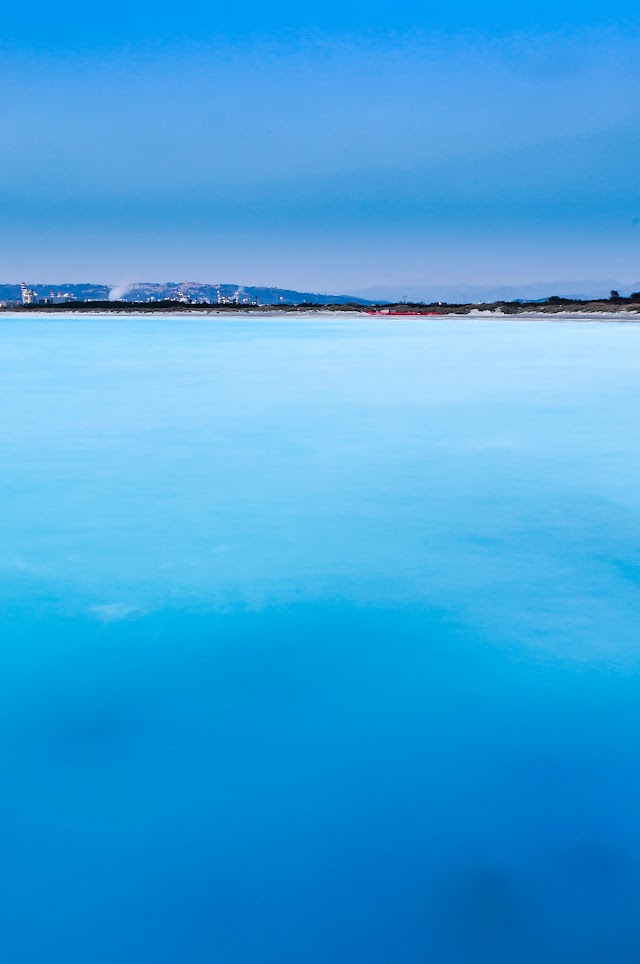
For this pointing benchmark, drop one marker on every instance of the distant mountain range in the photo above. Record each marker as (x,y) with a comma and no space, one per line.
(180,291)
(472,294)
(192,291)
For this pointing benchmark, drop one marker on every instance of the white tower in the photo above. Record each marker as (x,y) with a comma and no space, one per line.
(27,296)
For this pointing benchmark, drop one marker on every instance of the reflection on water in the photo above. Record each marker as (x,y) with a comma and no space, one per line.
(320,641)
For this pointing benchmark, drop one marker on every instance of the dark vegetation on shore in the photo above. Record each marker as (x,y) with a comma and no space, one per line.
(616,303)
(180,307)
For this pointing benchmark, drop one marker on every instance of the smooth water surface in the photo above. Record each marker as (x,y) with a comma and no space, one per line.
(320,641)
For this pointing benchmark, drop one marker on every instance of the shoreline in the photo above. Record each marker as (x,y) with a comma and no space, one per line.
(276,312)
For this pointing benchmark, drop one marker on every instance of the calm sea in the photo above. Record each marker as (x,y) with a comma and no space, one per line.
(320,641)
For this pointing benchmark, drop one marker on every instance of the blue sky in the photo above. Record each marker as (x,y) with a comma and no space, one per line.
(327,146)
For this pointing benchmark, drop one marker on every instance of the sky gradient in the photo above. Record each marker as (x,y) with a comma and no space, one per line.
(325,147)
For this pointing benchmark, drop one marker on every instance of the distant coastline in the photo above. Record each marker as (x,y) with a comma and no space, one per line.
(629,307)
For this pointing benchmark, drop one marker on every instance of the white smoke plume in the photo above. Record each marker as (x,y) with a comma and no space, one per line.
(118,292)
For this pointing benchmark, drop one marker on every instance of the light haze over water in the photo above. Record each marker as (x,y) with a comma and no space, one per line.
(320,641)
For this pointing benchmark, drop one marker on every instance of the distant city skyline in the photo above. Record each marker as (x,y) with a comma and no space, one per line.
(325,147)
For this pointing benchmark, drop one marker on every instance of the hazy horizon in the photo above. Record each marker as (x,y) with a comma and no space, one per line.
(568,288)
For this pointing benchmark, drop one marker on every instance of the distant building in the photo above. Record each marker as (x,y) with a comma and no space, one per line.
(28,296)
(31,297)
(59,299)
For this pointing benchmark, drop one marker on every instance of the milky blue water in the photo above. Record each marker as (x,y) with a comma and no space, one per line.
(319,641)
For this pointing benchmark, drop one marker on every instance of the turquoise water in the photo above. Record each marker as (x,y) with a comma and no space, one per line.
(320,641)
